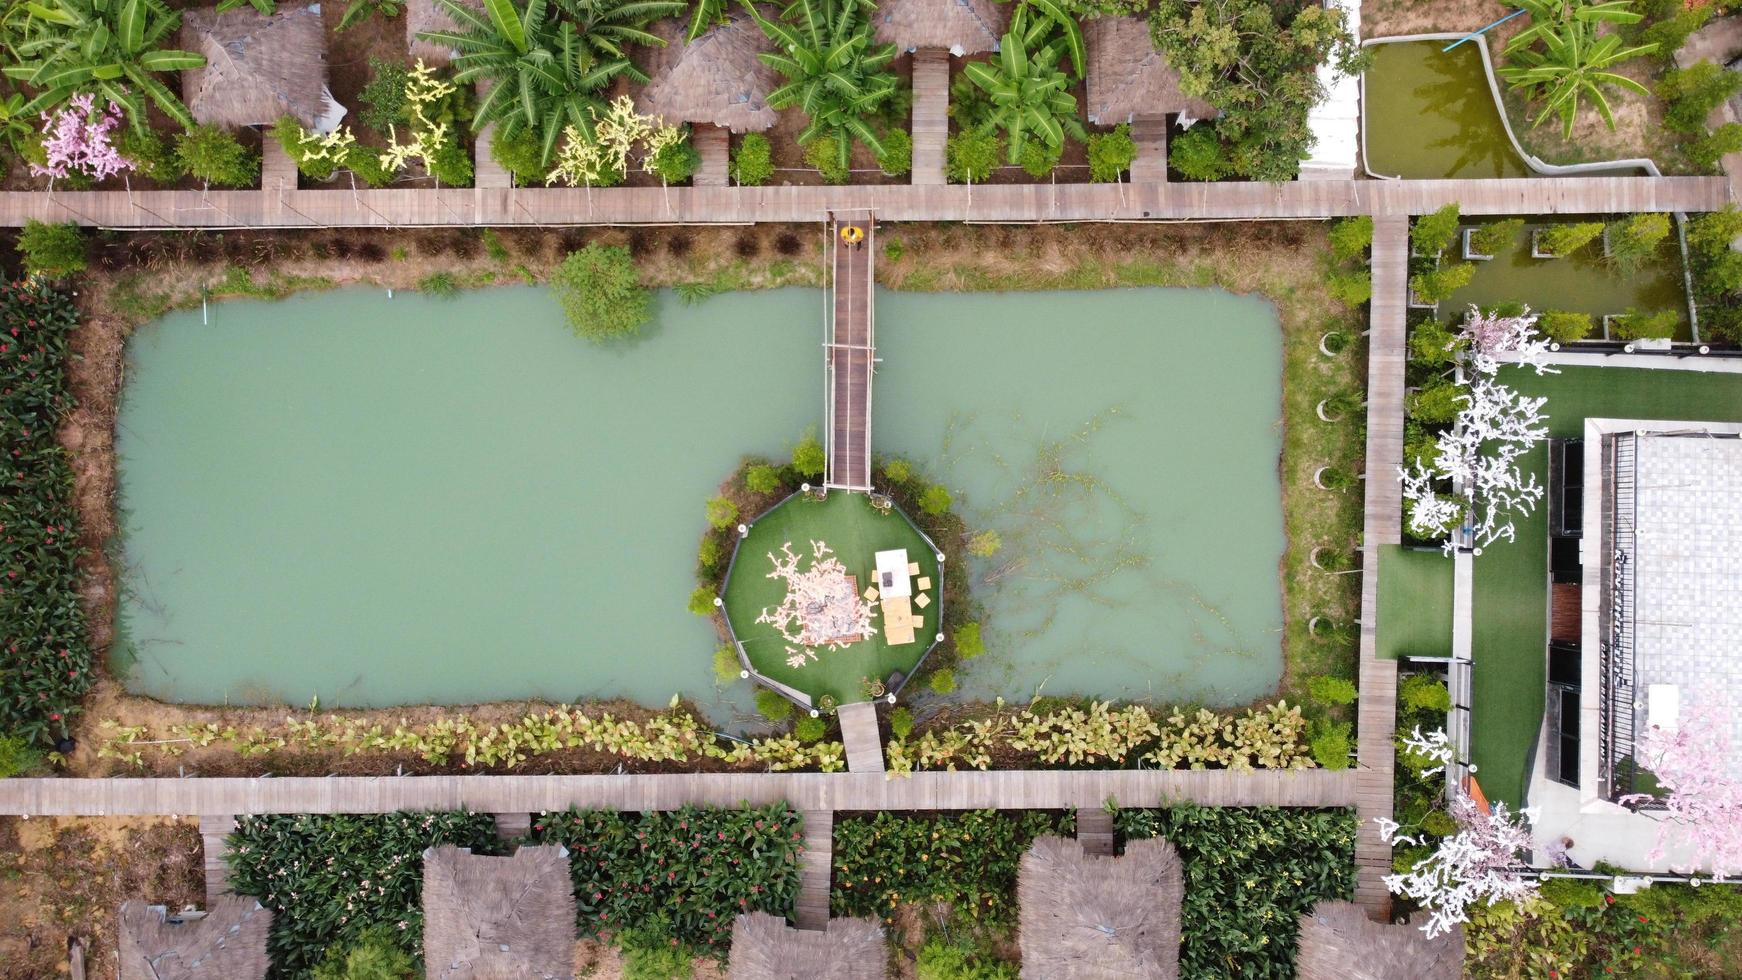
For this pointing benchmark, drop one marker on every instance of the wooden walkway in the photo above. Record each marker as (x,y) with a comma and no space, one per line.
(411,207)
(714,145)
(1095,830)
(848,352)
(817,865)
(931,114)
(1150,135)
(860,734)
(487,172)
(1008,790)
(1377,714)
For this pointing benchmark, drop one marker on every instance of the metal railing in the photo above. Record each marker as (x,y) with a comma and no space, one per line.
(1619,667)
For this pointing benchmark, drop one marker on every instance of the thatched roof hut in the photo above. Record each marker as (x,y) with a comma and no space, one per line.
(764,947)
(427,15)
(258,67)
(1087,917)
(1339,942)
(498,918)
(715,79)
(1127,77)
(227,943)
(961,26)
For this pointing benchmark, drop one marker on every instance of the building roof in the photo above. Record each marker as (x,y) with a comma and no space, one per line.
(498,918)
(764,947)
(1087,917)
(1339,942)
(1127,77)
(227,943)
(424,16)
(961,26)
(258,67)
(717,78)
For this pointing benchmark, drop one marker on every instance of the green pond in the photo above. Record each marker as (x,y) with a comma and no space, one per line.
(389,501)
(1428,113)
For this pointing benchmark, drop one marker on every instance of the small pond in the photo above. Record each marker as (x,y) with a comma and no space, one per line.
(375,501)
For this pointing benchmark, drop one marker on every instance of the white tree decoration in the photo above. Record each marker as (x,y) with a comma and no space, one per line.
(1495,339)
(821,607)
(1435,747)
(1479,863)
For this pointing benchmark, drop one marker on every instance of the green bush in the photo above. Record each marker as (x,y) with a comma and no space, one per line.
(893,250)
(1437,403)
(1250,873)
(702,601)
(1198,154)
(383,96)
(709,552)
(55,251)
(942,681)
(366,165)
(825,159)
(1564,327)
(896,160)
(1438,285)
(1563,240)
(214,156)
(970,860)
(1330,744)
(647,955)
(726,666)
(1495,237)
(753,164)
(1690,94)
(985,543)
(1707,152)
(676,162)
(1110,154)
(307,868)
(809,730)
(152,158)
(1332,690)
(901,723)
(451,165)
(287,131)
(679,874)
(722,513)
(1434,233)
(942,960)
(968,642)
(762,478)
(1351,287)
(808,457)
(1634,325)
(1635,241)
(1433,344)
(374,955)
(1670,31)
(439,284)
(1424,693)
(600,293)
(935,500)
(898,471)
(971,156)
(1351,237)
(17,756)
(1039,160)
(1439,823)
(46,666)
(772,706)
(520,155)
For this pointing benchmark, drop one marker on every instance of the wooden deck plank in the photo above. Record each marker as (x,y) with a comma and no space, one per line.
(931,108)
(860,733)
(817,870)
(1150,135)
(850,354)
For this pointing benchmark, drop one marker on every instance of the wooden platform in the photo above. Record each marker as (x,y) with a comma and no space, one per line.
(1095,830)
(931,114)
(817,865)
(849,349)
(1150,135)
(487,172)
(214,841)
(860,734)
(714,144)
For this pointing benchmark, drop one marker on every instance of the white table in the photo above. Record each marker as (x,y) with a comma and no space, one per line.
(892,578)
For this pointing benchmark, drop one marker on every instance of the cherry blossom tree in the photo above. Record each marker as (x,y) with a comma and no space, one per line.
(1701,797)
(76,140)
(1479,863)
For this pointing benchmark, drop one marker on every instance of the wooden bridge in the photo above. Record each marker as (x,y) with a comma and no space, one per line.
(850,350)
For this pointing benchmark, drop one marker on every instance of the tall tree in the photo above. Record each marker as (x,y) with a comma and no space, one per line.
(110,47)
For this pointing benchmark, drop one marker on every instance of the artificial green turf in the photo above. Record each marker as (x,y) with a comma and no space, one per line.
(1415,603)
(849,525)
(1511,598)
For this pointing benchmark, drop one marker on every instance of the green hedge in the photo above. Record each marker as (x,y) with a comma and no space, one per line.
(45,666)
(682,875)
(1250,872)
(884,860)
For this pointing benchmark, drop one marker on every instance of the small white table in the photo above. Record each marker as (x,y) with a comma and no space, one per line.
(892,578)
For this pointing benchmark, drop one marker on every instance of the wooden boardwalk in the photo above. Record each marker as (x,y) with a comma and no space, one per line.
(848,352)
(714,145)
(817,870)
(931,114)
(1008,789)
(1150,135)
(860,734)
(411,207)
(1377,715)
(1095,830)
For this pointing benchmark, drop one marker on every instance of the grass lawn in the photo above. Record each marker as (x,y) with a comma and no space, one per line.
(1510,609)
(1415,603)
(849,525)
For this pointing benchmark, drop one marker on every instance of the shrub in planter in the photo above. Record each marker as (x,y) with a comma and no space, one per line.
(1351,237)
(1437,285)
(214,156)
(772,706)
(753,164)
(1433,344)
(55,251)
(1495,236)
(1424,692)
(896,160)
(1111,154)
(600,294)
(1631,242)
(1335,479)
(1198,154)
(1434,233)
(1437,403)
(971,157)
(1564,327)
(1634,325)
(1561,241)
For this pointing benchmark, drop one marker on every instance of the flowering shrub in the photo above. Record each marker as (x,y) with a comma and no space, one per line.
(45,667)
(76,141)
(1700,796)
(682,874)
(885,860)
(1250,872)
(329,878)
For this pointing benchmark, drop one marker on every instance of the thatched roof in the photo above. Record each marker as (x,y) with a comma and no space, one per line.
(764,947)
(716,78)
(1127,77)
(1086,917)
(427,15)
(962,26)
(498,918)
(227,943)
(257,67)
(1339,942)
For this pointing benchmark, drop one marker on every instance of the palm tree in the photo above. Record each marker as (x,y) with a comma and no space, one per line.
(1027,91)
(106,46)
(1574,58)
(833,72)
(546,75)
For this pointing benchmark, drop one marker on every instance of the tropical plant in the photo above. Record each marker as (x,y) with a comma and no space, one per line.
(753,163)
(1564,57)
(109,47)
(1495,237)
(886,860)
(1028,91)
(1434,232)
(1111,154)
(358,11)
(17,127)
(970,156)
(1561,241)
(940,959)
(215,156)
(1564,327)
(834,73)
(600,294)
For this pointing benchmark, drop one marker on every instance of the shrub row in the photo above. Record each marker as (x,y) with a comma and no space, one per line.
(884,860)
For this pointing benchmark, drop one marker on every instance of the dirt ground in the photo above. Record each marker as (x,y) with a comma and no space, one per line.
(65,878)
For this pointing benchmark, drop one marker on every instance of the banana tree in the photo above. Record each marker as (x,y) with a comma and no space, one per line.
(1027,92)
(110,47)
(706,14)
(609,27)
(1573,60)
(833,71)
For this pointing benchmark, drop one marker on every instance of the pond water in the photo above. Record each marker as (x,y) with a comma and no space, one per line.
(1429,113)
(376,501)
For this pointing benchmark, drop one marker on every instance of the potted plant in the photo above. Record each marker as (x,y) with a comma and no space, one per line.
(1483,242)
(1560,241)
(1333,342)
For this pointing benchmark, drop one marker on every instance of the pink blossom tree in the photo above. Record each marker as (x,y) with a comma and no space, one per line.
(1479,863)
(1700,796)
(76,139)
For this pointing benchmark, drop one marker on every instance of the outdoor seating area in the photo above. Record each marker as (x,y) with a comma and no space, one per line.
(903,589)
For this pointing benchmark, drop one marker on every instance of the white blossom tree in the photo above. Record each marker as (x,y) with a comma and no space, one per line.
(821,606)
(1479,863)
(1701,798)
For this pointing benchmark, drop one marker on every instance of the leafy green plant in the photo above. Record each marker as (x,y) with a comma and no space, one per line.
(726,666)
(896,160)
(1111,154)
(1351,237)
(722,512)
(702,601)
(1437,403)
(1026,88)
(676,162)
(1435,232)
(835,73)
(940,959)
(152,157)
(1424,693)
(1434,344)
(1331,741)
(383,96)
(649,955)
(901,723)
(1250,873)
(1564,327)
(1495,237)
(18,756)
(1634,325)
(520,155)
(55,251)
(753,164)
(809,730)
(1438,285)
(762,478)
(942,681)
(1198,154)
(985,543)
(358,11)
(1708,151)
(968,641)
(1636,240)
(1331,690)
(373,955)
(1039,160)
(1563,240)
(822,155)
(1351,287)
(935,499)
(1690,94)
(1668,23)
(808,457)
(1563,57)
(772,706)
(440,285)
(971,860)
(106,46)
(600,293)
(682,874)
(331,879)
(214,155)
(970,157)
